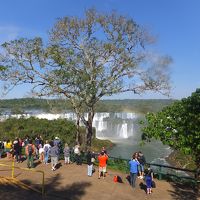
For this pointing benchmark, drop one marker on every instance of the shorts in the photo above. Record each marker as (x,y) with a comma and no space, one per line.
(148,180)
(141,168)
(102,169)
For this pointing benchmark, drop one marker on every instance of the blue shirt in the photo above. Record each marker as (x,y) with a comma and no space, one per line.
(133,164)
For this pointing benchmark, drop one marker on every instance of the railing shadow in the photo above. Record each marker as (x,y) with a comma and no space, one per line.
(53,190)
(184,192)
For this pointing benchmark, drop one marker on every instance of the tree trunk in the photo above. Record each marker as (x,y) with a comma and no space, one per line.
(89,131)
(78,129)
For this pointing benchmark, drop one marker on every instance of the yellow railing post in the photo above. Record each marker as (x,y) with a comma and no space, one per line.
(42,172)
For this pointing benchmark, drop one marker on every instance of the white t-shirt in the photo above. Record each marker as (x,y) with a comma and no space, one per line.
(41,150)
(76,149)
(47,146)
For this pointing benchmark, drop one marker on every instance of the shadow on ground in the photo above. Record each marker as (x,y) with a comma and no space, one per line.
(184,192)
(13,189)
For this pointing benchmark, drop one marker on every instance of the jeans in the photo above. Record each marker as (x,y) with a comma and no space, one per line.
(90,167)
(78,159)
(133,177)
(46,157)
(67,160)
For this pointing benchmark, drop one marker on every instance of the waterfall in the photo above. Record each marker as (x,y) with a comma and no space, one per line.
(115,125)
(124,131)
(108,125)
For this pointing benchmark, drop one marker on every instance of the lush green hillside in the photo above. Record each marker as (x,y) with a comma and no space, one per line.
(64,129)
(58,105)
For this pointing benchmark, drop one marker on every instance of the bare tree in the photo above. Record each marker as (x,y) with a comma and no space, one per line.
(85,60)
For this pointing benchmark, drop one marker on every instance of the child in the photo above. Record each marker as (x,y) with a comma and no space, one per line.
(67,154)
(149,179)
(41,153)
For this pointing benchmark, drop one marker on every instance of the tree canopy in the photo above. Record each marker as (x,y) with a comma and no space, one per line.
(177,126)
(86,59)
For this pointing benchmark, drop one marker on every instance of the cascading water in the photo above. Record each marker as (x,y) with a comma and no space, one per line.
(124,131)
(121,128)
(108,125)
(114,125)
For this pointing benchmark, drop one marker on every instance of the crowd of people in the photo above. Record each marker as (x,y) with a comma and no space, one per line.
(32,148)
(50,152)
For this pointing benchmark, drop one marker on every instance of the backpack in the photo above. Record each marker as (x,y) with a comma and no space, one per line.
(30,149)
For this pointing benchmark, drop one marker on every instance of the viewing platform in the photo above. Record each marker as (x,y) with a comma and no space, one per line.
(71,182)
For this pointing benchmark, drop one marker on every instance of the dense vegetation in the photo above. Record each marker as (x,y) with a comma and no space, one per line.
(59,105)
(64,129)
(177,126)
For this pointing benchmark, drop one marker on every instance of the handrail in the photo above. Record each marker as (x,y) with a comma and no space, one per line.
(26,169)
(160,165)
(160,173)
(176,168)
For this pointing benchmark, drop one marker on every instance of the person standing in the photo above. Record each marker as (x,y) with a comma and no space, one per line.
(8,148)
(142,162)
(133,164)
(149,179)
(20,149)
(30,152)
(46,151)
(66,152)
(77,153)
(16,149)
(103,158)
(89,163)
(41,153)
(54,153)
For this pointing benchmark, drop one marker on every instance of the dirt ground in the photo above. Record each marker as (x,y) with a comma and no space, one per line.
(71,182)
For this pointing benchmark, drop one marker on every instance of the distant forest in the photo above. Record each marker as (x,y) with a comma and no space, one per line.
(17,106)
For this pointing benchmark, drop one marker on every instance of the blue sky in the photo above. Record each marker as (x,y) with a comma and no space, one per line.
(175,23)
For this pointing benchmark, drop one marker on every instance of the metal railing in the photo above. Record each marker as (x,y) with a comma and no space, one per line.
(160,171)
(13,167)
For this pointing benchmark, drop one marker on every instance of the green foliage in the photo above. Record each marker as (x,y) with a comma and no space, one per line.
(177,126)
(118,164)
(62,128)
(98,144)
(179,159)
(18,106)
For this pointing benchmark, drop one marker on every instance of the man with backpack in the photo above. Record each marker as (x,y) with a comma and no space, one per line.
(30,152)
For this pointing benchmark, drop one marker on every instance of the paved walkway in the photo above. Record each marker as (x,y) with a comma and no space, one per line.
(71,182)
